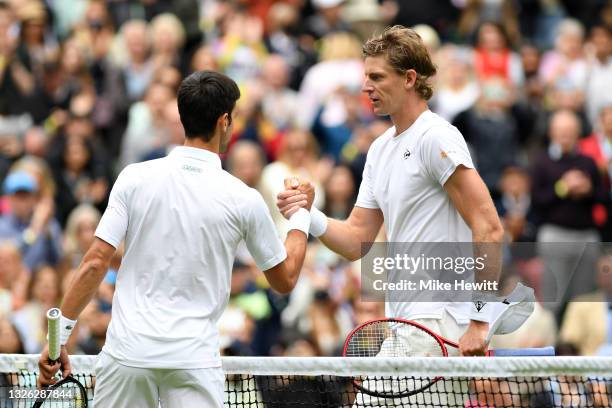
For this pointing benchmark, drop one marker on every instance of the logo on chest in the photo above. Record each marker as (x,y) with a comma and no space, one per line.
(407,154)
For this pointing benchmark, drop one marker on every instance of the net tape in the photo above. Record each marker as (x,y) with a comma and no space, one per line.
(327,382)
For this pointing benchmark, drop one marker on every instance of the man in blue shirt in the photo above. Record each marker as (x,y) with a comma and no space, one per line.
(30,223)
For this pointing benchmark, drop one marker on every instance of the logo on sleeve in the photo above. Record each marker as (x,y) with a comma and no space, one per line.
(444,154)
(406,154)
(479,305)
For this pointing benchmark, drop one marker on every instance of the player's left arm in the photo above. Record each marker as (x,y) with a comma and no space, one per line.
(471,197)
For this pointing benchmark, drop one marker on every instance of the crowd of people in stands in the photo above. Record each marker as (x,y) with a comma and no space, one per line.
(89,86)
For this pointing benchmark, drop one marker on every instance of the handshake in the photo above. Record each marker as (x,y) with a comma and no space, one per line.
(300,194)
(297,194)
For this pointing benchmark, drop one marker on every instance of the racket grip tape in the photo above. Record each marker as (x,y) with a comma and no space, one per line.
(53,325)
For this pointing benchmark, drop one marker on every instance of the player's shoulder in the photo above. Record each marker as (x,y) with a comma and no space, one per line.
(436,127)
(238,188)
(136,171)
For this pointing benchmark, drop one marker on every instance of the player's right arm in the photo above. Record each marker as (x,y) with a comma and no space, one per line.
(283,276)
(348,238)
(281,264)
(343,237)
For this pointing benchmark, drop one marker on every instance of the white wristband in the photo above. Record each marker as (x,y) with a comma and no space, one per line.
(66,327)
(318,222)
(300,221)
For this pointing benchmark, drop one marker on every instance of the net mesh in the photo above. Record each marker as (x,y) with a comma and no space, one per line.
(286,382)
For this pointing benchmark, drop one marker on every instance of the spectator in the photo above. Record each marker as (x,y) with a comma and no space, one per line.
(457,90)
(79,233)
(565,66)
(136,68)
(490,127)
(278,102)
(73,75)
(514,205)
(246,161)
(145,130)
(10,340)
(268,108)
(78,178)
(297,158)
(36,45)
(30,223)
(204,60)
(283,39)
(340,193)
(340,66)
(172,125)
(14,279)
(327,19)
(167,38)
(17,84)
(30,320)
(240,51)
(478,13)
(339,116)
(494,58)
(598,146)
(565,187)
(599,73)
(36,142)
(355,151)
(587,320)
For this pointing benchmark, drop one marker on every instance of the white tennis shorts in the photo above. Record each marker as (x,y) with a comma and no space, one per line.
(120,386)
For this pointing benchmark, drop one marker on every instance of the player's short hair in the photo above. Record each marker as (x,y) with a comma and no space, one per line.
(203,97)
(404,49)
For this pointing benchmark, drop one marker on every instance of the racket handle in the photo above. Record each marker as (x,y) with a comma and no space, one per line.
(523,352)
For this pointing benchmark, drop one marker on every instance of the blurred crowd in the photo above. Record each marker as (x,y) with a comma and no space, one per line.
(89,86)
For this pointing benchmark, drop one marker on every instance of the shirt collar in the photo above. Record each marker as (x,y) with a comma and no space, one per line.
(197,154)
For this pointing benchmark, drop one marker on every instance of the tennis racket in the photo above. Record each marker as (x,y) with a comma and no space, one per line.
(67,392)
(406,338)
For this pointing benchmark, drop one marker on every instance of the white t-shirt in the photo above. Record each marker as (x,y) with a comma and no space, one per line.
(404,177)
(182,218)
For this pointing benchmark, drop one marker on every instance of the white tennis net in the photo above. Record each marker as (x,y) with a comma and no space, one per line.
(328,382)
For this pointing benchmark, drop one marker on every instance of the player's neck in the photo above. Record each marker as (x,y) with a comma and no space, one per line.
(404,118)
(211,146)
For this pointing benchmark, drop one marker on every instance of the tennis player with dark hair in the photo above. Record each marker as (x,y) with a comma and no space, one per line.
(182,218)
(419,180)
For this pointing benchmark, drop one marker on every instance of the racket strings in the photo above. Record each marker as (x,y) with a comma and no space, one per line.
(392,339)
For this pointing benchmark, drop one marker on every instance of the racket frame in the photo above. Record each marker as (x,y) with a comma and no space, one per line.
(439,339)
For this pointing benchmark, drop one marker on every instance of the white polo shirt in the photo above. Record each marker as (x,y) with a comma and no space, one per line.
(182,218)
(404,177)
